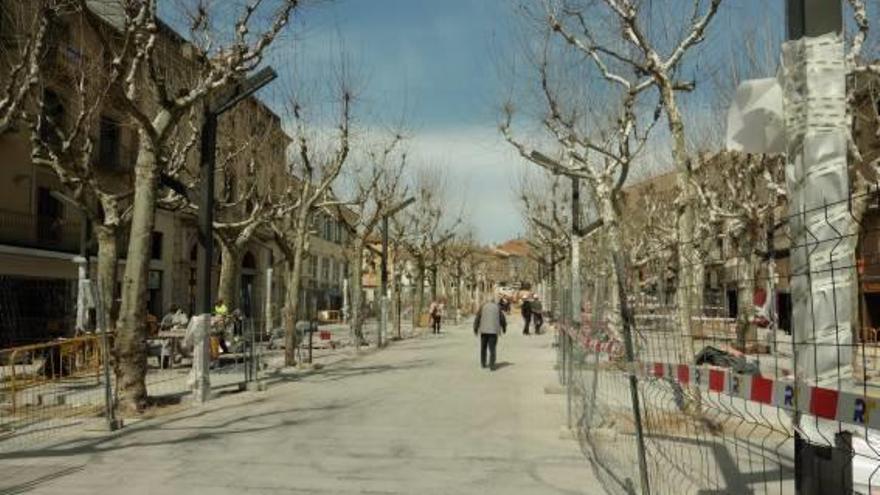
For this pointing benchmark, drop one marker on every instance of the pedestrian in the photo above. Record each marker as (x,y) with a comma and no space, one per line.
(218,324)
(504,304)
(537,313)
(526,314)
(488,323)
(436,313)
(220,309)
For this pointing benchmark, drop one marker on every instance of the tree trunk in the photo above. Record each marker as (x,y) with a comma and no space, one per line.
(614,245)
(291,308)
(419,294)
(458,282)
(745,331)
(230,269)
(107,268)
(130,343)
(357,298)
(687,255)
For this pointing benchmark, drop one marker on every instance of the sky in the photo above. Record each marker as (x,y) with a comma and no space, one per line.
(435,64)
(439,63)
(442,64)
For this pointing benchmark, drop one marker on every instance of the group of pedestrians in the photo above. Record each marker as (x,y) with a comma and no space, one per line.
(490,322)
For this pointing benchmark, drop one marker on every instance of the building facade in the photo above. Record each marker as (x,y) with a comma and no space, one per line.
(41,232)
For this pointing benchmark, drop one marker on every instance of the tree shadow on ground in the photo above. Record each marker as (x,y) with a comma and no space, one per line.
(36,482)
(348,370)
(222,427)
(732,479)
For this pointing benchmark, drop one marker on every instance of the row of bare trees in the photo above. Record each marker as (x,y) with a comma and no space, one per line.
(156,84)
(604,74)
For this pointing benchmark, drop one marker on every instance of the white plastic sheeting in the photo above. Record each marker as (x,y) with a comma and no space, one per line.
(822,256)
(755,122)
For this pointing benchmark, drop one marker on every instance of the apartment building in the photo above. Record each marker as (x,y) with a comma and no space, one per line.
(41,232)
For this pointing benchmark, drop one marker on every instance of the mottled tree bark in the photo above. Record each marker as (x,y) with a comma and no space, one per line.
(106,271)
(130,343)
(230,270)
(291,303)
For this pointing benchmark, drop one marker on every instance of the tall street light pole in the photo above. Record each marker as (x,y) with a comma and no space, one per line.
(383,310)
(212,113)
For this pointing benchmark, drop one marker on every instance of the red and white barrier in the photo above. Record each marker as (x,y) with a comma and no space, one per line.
(846,407)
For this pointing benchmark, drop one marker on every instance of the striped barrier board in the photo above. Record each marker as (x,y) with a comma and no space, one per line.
(845,407)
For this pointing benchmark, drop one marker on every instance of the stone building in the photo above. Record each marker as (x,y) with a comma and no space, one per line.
(41,232)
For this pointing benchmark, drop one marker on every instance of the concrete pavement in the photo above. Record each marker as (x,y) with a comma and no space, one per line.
(418,417)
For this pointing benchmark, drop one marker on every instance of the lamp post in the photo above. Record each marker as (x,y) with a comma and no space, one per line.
(383,309)
(213,111)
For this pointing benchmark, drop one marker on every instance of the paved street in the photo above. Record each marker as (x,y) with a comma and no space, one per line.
(419,417)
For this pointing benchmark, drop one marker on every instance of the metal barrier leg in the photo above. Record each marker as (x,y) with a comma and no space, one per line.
(628,321)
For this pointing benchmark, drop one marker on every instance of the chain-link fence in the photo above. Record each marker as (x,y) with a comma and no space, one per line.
(752,367)
(60,387)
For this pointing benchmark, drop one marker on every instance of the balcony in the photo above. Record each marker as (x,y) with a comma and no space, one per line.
(33,231)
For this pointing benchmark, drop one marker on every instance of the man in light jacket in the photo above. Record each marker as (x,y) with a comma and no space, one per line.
(489,322)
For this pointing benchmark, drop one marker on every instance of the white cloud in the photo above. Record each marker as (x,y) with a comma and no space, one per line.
(481,169)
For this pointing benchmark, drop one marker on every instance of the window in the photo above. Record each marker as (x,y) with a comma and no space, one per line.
(325,269)
(328,229)
(154,292)
(339,228)
(50,212)
(313,266)
(156,246)
(109,143)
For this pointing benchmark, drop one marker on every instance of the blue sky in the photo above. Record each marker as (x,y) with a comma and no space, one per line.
(437,62)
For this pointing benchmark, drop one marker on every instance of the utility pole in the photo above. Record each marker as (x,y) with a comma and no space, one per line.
(212,112)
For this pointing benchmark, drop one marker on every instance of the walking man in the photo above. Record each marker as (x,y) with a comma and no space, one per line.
(488,323)
(526,314)
(435,311)
(537,313)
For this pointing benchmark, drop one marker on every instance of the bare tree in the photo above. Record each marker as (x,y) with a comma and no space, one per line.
(313,173)
(25,34)
(545,209)
(429,224)
(378,188)
(64,138)
(654,60)
(741,193)
(144,60)
(247,165)
(459,265)
(600,150)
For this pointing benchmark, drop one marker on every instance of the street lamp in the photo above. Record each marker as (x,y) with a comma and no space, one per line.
(383,315)
(213,111)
